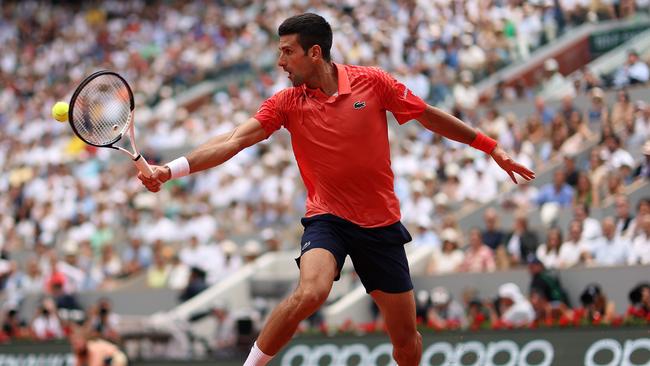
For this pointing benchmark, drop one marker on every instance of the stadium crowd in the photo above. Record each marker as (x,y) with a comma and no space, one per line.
(80,221)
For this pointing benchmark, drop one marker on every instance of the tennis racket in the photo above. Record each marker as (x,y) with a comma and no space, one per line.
(101,112)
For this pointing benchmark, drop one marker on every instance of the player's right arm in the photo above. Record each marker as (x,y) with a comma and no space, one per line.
(213,152)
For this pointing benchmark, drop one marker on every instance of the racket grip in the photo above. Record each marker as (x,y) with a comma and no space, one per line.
(143,166)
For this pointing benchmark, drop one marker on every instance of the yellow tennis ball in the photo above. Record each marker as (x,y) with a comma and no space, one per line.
(60,111)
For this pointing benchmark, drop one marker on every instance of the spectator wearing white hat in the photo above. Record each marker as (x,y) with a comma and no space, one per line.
(251,251)
(514,308)
(449,257)
(445,312)
(554,84)
(465,93)
(232,259)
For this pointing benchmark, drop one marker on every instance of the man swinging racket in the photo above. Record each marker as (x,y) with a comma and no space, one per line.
(336,115)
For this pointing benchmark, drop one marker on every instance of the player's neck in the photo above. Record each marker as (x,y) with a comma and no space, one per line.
(325,78)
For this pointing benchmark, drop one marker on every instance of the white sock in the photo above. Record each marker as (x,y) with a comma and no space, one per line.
(257,357)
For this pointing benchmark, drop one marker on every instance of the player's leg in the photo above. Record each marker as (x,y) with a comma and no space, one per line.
(398,311)
(318,269)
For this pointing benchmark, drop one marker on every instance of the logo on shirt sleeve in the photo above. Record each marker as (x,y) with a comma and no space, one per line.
(359,105)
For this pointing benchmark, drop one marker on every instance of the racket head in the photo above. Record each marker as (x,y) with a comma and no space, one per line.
(101,108)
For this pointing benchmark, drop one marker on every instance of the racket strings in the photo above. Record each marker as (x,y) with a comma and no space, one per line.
(102,109)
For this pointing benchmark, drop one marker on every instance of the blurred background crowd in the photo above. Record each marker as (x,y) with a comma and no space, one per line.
(76,219)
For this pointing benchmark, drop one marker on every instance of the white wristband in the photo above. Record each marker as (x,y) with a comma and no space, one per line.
(179,167)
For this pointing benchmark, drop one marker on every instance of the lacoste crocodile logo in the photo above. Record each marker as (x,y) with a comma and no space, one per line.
(359,105)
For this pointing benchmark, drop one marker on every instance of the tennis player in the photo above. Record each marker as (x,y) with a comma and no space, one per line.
(336,115)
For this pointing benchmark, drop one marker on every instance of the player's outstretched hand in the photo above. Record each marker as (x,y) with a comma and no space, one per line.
(160,175)
(510,166)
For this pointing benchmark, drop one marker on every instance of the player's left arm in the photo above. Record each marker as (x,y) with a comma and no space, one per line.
(445,124)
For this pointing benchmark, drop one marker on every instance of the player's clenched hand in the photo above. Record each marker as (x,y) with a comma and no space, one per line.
(160,175)
(510,166)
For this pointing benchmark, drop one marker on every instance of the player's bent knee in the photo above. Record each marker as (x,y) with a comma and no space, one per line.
(310,299)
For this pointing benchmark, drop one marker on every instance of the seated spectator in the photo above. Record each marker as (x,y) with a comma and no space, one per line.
(513,306)
(622,111)
(492,235)
(103,321)
(445,312)
(597,308)
(597,113)
(585,193)
(12,326)
(136,257)
(179,274)
(609,250)
(624,218)
(615,155)
(450,257)
(522,241)
(591,229)
(634,71)
(640,250)
(574,249)
(422,305)
(546,283)
(549,252)
(90,351)
(252,250)
(46,324)
(158,272)
(639,301)
(558,192)
(642,170)
(478,256)
(195,285)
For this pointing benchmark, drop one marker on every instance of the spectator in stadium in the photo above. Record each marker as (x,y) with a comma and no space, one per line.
(102,321)
(549,252)
(546,283)
(422,305)
(478,256)
(643,169)
(591,229)
(640,250)
(586,193)
(573,250)
(522,241)
(615,155)
(625,222)
(179,274)
(304,53)
(195,285)
(609,250)
(596,306)
(492,235)
(553,82)
(556,192)
(597,113)
(622,111)
(465,93)
(513,306)
(251,251)
(634,71)
(570,170)
(158,272)
(136,257)
(449,257)
(445,312)
(567,107)
(13,327)
(46,324)
(639,301)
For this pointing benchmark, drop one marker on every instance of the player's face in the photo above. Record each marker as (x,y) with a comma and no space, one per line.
(294,60)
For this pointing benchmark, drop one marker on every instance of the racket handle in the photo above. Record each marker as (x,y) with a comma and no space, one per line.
(143,166)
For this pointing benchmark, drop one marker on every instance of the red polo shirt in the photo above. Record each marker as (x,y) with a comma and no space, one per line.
(341,142)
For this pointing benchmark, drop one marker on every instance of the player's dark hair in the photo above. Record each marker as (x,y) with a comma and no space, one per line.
(312,29)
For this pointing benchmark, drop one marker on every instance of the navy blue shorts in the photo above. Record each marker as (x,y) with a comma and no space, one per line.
(377,254)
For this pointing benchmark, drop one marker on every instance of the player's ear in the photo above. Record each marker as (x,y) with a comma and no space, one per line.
(315,52)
